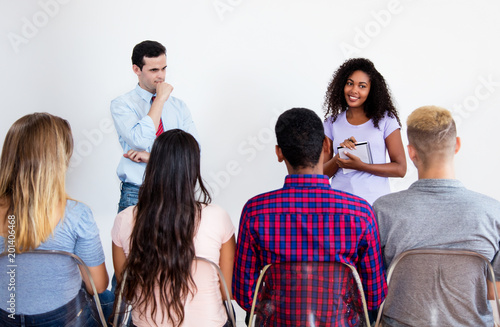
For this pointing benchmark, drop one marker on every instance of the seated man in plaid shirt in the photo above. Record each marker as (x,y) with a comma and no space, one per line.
(306,220)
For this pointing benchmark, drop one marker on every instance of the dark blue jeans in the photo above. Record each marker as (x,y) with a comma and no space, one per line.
(129,196)
(79,312)
(107,299)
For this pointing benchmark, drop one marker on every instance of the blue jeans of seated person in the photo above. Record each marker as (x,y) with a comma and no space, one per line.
(107,299)
(129,196)
(79,312)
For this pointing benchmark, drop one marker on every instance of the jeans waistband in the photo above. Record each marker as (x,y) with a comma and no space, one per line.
(69,311)
(129,186)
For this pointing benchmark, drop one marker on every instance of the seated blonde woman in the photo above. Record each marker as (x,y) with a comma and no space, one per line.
(35,208)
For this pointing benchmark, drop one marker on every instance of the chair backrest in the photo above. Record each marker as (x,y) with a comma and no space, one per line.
(226,295)
(309,294)
(437,287)
(122,316)
(84,270)
(122,311)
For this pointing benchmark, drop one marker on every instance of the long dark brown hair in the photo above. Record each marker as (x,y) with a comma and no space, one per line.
(379,100)
(166,219)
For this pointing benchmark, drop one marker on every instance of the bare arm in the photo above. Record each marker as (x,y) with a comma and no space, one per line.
(491,291)
(395,168)
(226,263)
(99,275)
(330,165)
(118,261)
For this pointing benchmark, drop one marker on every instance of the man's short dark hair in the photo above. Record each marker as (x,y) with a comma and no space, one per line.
(300,136)
(149,49)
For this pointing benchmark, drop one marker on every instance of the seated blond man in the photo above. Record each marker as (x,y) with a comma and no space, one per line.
(437,211)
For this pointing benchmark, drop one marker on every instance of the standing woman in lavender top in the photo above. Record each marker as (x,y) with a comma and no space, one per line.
(358,107)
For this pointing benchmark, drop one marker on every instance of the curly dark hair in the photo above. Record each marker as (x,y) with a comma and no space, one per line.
(379,99)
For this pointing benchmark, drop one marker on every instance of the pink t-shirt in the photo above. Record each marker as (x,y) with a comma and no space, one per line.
(360,183)
(206,307)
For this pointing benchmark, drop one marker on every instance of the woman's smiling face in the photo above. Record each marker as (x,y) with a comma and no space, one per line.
(356,89)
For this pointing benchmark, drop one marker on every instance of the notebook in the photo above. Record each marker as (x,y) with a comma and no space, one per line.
(362,151)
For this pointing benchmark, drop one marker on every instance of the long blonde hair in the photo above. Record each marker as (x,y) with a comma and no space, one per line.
(33,166)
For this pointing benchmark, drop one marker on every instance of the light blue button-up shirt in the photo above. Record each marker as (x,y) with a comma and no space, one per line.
(136,129)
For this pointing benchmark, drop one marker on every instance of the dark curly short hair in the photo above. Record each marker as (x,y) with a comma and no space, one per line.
(379,99)
(148,49)
(300,136)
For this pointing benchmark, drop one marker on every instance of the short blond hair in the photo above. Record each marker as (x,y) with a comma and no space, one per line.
(432,130)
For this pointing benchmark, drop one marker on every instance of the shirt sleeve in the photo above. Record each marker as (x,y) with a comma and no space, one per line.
(378,207)
(139,133)
(371,266)
(391,124)
(88,243)
(122,229)
(328,127)
(115,231)
(188,123)
(246,265)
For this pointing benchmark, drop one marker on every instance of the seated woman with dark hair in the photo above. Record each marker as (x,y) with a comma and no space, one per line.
(156,241)
(35,208)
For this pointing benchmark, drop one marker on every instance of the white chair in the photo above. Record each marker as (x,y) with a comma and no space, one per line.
(423,283)
(121,318)
(83,269)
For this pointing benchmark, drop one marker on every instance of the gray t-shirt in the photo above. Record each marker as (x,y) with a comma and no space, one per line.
(46,282)
(441,213)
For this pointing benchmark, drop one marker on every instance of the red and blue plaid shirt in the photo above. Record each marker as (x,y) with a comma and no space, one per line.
(307,220)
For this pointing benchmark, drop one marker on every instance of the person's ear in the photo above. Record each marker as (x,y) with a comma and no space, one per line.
(412,153)
(279,154)
(327,147)
(136,69)
(458,145)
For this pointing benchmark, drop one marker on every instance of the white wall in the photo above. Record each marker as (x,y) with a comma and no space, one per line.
(238,64)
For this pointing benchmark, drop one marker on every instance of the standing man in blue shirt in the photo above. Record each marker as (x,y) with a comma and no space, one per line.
(144,113)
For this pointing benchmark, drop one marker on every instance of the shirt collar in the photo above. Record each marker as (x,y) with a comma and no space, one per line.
(146,95)
(307,181)
(436,183)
